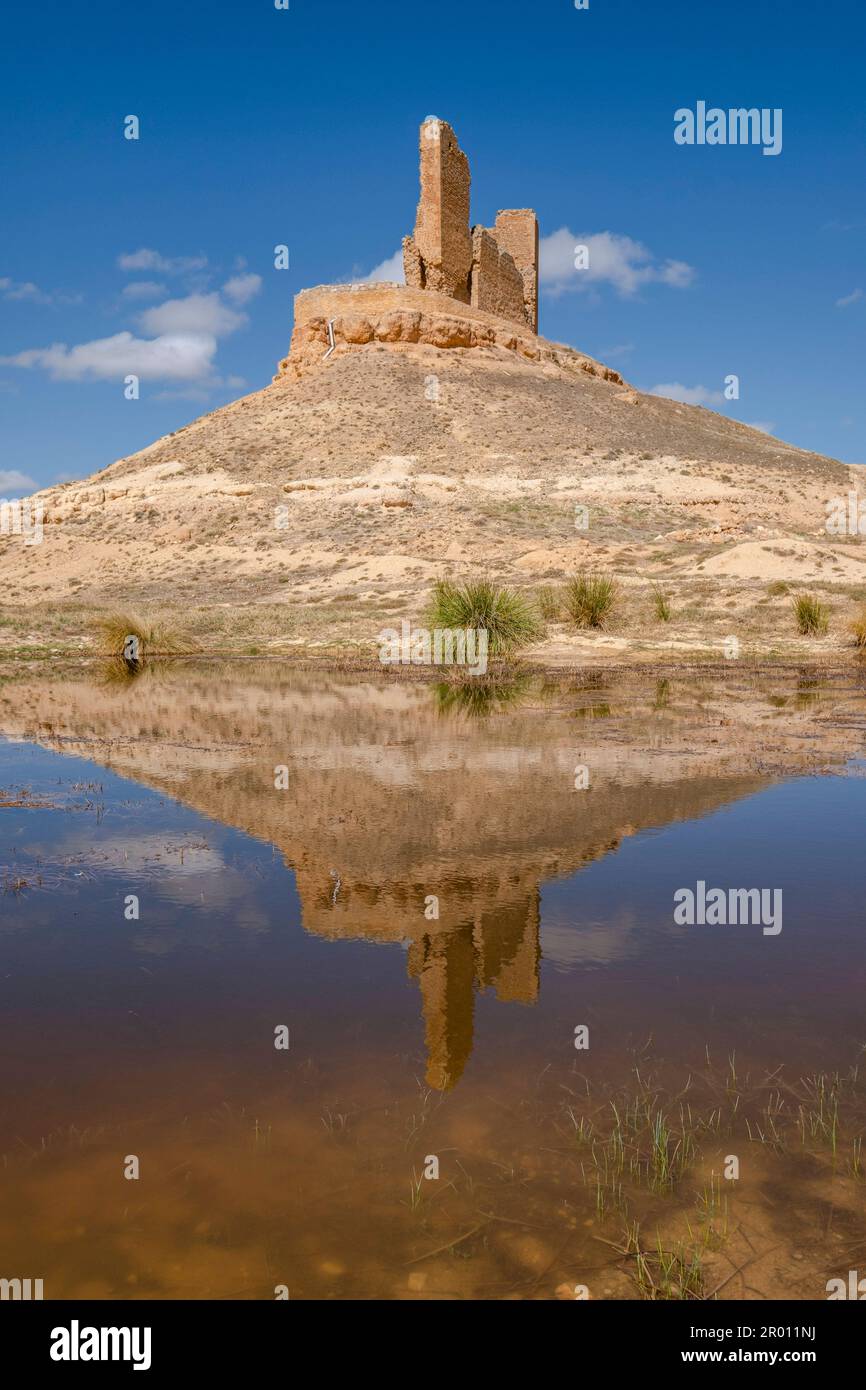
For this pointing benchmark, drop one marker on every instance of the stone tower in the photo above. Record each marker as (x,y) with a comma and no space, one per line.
(439,255)
(492,268)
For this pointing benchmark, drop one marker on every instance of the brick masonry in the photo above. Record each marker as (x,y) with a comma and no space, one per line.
(491,268)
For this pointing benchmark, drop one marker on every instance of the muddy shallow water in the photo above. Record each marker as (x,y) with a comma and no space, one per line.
(437,895)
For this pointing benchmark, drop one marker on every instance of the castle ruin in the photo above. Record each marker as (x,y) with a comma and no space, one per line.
(465,287)
(491,268)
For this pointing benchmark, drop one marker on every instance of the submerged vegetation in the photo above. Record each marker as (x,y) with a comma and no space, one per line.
(642,1145)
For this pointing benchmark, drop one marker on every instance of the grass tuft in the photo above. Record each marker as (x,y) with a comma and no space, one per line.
(590,599)
(549,600)
(858,629)
(153,639)
(661,604)
(507,618)
(812,616)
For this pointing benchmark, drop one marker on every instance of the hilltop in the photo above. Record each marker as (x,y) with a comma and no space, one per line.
(354,484)
(426,430)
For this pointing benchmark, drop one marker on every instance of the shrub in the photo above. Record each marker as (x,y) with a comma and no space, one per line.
(507,618)
(590,599)
(858,628)
(813,617)
(115,628)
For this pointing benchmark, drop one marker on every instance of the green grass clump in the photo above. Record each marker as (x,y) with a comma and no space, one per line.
(812,616)
(590,599)
(508,619)
(661,604)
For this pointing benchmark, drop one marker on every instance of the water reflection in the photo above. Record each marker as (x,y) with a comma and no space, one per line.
(386,809)
(306,899)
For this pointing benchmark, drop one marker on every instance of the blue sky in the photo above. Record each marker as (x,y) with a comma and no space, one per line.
(262,127)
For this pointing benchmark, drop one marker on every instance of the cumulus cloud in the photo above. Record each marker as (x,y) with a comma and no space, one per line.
(13,481)
(171,357)
(390,269)
(143,289)
(242,288)
(689,395)
(849,299)
(180,345)
(195,314)
(616,260)
(148,259)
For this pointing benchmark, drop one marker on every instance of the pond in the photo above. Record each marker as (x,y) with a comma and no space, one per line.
(323,985)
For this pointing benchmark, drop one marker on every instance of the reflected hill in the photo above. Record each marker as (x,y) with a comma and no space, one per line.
(394,797)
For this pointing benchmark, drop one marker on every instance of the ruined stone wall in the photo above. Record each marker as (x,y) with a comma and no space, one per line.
(516,232)
(439,255)
(496,283)
(491,268)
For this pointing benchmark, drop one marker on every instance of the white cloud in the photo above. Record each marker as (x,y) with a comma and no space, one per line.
(147,259)
(616,260)
(172,357)
(688,395)
(143,289)
(849,299)
(13,481)
(26,290)
(763,426)
(390,269)
(242,288)
(180,343)
(196,314)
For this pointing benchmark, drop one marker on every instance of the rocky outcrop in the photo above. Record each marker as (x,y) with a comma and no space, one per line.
(333,320)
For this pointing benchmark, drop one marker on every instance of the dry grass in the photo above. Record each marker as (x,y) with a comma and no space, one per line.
(812,616)
(590,599)
(152,638)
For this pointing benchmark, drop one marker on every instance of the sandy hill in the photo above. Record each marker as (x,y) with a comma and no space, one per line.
(334,496)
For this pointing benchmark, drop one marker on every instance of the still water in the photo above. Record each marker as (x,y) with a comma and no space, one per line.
(510,1072)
